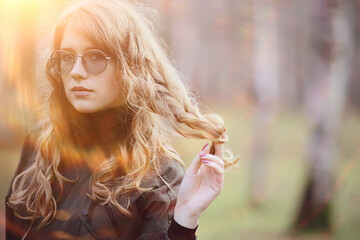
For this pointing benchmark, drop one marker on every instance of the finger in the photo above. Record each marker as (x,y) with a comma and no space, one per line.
(196,163)
(219,170)
(212,158)
(219,150)
(215,173)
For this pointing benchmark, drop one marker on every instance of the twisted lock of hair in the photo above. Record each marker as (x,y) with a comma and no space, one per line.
(157,87)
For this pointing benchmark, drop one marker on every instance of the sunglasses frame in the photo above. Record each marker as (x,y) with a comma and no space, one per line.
(107,58)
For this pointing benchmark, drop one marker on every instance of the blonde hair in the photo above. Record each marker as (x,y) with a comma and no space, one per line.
(155,93)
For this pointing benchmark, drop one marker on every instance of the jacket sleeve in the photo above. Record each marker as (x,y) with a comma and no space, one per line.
(178,232)
(15,227)
(158,208)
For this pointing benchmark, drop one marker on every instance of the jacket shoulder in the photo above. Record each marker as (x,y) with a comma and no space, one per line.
(28,152)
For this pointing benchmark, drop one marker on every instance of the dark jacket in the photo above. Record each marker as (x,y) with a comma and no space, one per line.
(79,217)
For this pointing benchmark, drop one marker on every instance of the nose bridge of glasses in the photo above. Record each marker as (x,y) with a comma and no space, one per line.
(76,62)
(76,57)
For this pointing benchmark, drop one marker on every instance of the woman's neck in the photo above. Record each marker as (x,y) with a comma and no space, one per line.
(104,128)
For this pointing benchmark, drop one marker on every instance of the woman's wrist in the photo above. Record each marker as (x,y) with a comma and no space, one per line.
(185,218)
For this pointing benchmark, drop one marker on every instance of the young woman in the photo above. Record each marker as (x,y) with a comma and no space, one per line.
(99,164)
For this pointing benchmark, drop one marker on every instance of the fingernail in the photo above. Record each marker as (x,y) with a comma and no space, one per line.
(224,130)
(202,154)
(205,162)
(205,146)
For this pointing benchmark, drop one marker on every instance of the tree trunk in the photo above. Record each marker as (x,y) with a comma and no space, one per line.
(333,52)
(266,87)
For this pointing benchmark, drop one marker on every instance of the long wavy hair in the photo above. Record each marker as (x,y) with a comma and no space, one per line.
(155,94)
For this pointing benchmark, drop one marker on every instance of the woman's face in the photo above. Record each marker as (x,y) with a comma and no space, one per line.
(87,92)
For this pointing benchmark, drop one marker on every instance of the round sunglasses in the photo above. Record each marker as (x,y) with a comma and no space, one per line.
(94,61)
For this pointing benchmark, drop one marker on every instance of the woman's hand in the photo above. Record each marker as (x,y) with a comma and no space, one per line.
(202,183)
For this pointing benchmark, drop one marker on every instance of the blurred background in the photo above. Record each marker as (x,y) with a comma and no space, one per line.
(285,76)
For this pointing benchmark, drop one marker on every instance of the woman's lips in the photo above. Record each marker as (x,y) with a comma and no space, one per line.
(80,91)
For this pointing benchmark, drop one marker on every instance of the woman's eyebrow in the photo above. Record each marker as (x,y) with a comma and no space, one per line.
(72,50)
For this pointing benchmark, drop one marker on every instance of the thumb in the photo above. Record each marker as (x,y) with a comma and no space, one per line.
(196,163)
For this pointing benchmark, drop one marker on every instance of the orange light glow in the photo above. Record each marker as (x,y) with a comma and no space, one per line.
(19,20)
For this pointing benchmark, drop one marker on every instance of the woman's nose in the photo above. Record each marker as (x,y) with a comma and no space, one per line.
(78,71)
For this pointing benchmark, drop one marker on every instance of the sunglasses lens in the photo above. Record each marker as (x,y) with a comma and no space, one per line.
(62,62)
(95,61)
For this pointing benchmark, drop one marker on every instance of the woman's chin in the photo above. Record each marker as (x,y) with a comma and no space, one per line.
(84,108)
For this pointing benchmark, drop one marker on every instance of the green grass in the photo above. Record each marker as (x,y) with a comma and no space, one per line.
(231,216)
